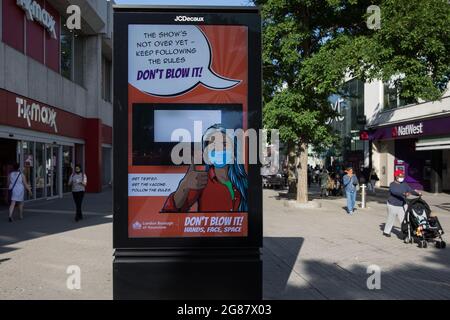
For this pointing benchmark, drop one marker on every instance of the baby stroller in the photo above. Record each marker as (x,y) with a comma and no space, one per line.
(420,226)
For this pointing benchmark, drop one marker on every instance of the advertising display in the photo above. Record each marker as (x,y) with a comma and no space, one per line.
(179,76)
(189,94)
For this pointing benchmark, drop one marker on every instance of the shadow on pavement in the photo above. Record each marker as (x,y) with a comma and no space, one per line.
(430,281)
(444,206)
(50,217)
(279,257)
(395,230)
(288,276)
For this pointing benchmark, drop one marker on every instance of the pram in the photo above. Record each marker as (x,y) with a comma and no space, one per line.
(420,226)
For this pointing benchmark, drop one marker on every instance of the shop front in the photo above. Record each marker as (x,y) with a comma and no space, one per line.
(420,148)
(46,165)
(47,142)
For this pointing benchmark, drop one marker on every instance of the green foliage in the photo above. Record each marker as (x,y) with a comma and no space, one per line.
(297,124)
(311,45)
(293,31)
(412,47)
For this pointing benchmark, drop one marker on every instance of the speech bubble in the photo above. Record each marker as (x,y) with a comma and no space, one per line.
(169,60)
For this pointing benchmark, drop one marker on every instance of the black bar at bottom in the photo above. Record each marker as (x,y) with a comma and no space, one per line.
(219,274)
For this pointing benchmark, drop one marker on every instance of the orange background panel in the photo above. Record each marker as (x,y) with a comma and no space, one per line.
(229,46)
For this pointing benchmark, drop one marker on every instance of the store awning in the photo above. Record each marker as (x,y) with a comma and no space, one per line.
(433,144)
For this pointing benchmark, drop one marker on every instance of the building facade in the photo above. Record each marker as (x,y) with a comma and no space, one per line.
(55,94)
(411,136)
(348,122)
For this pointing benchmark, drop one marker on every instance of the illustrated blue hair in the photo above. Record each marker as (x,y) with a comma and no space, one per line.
(236,171)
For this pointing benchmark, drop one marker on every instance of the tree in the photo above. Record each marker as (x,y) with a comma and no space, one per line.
(411,49)
(311,46)
(293,31)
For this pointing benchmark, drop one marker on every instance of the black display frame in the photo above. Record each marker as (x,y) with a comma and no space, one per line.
(126,15)
(166,147)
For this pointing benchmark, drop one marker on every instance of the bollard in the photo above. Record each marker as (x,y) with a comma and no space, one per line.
(363,196)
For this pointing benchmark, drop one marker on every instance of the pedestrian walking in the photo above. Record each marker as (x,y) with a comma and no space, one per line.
(78,181)
(336,184)
(317,174)
(324,176)
(399,190)
(351,186)
(16,191)
(373,178)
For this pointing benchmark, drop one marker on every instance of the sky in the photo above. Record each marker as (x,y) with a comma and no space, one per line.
(187,2)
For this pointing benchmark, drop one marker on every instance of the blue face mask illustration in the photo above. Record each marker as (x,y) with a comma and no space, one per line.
(220,159)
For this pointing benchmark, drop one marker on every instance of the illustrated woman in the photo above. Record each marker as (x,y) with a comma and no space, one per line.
(221,187)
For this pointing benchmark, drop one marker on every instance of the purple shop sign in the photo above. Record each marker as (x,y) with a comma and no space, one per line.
(432,127)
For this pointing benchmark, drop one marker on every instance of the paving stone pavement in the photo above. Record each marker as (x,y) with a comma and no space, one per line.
(324,253)
(308,253)
(36,252)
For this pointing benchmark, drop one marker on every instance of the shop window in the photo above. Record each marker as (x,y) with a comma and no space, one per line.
(40,170)
(67,167)
(8,156)
(79,155)
(28,166)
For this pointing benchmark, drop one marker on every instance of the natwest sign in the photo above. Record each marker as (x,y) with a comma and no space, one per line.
(407,130)
(35,12)
(34,112)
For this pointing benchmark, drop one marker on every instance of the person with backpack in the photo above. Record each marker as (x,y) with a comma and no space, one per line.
(78,181)
(16,192)
(351,186)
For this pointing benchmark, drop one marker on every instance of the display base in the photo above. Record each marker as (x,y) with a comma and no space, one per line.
(219,274)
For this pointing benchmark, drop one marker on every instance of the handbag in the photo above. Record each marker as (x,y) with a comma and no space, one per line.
(356,184)
(10,191)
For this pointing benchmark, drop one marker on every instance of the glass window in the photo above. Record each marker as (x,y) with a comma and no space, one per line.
(78,60)
(55,170)
(349,103)
(79,155)
(28,166)
(392,97)
(8,156)
(106,79)
(106,167)
(40,170)
(67,167)
(66,52)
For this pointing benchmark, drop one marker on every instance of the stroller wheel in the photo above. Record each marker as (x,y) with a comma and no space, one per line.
(443,245)
(407,240)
